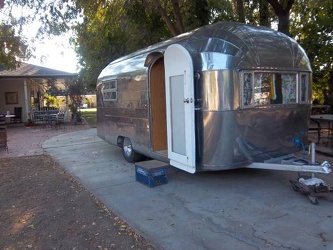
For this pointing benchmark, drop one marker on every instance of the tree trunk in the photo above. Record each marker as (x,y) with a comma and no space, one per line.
(282,11)
(166,19)
(264,14)
(284,22)
(240,11)
(178,16)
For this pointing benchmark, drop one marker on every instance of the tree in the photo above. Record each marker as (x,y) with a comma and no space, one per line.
(55,16)
(264,14)
(282,10)
(177,16)
(103,36)
(145,23)
(312,26)
(11,47)
(110,29)
(240,10)
(221,10)
(76,91)
(196,14)
(174,22)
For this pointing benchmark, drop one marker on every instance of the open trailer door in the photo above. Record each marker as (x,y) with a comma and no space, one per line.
(180,107)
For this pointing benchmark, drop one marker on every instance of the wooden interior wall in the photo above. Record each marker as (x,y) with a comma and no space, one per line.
(158,106)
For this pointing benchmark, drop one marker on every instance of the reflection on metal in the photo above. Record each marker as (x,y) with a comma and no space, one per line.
(229,133)
(223,45)
(324,168)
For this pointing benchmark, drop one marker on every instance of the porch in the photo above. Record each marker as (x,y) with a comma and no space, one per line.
(22,90)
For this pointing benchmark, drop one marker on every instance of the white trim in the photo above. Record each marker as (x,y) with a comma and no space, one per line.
(178,62)
(307,84)
(26,100)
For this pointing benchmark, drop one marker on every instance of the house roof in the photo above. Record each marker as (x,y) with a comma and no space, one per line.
(27,70)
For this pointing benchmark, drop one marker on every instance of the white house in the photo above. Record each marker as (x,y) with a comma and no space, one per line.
(23,88)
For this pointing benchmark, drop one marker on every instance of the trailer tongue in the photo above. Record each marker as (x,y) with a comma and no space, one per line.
(293,163)
(306,184)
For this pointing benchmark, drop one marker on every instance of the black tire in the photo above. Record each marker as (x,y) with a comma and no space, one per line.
(314,200)
(128,152)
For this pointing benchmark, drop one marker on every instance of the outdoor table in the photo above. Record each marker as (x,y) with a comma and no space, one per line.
(10,117)
(320,109)
(324,118)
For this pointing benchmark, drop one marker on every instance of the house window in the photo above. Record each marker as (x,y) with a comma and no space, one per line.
(267,88)
(109,90)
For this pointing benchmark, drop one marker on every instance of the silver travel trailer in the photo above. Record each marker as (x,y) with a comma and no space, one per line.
(223,96)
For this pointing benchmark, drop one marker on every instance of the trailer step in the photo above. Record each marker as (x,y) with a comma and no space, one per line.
(151,173)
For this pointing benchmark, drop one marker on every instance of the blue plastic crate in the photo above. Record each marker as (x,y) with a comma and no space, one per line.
(151,173)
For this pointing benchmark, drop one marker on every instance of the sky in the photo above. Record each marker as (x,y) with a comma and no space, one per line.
(54,52)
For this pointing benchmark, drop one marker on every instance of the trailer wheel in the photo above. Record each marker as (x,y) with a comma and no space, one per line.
(314,200)
(128,152)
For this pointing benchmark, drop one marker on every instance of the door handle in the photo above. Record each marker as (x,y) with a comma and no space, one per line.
(188,100)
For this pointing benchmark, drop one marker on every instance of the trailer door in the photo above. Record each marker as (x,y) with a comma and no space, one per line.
(180,107)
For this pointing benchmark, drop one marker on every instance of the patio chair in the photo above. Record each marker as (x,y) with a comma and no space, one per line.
(52,119)
(61,119)
(3,133)
(18,115)
(38,118)
(315,126)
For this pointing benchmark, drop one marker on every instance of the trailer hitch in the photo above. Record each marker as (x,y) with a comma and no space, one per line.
(309,185)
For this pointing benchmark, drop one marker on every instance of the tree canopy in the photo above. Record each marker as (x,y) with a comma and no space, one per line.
(107,29)
(312,27)
(11,47)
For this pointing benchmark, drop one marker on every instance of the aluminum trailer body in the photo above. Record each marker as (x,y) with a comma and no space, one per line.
(223,96)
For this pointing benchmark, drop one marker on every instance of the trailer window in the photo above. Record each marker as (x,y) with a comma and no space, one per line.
(109,90)
(263,89)
(269,88)
(304,82)
(248,89)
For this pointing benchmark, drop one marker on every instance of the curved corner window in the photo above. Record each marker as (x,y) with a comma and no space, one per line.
(304,90)
(247,89)
(267,88)
(109,90)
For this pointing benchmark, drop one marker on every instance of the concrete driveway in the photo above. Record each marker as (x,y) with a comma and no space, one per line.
(238,209)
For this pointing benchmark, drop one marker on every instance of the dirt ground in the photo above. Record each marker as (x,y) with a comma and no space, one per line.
(42,207)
